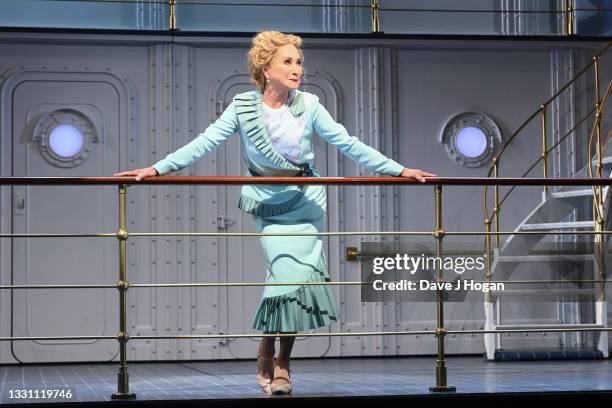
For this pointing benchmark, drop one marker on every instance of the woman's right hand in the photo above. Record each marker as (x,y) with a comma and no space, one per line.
(139,173)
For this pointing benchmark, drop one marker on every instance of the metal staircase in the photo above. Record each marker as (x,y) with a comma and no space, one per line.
(554,213)
(557,244)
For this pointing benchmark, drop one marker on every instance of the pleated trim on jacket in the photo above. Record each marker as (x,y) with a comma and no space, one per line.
(250,206)
(249,112)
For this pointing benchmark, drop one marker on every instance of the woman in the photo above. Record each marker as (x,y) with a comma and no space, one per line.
(276,123)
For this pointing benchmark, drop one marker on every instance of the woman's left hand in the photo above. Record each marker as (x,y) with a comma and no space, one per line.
(416,174)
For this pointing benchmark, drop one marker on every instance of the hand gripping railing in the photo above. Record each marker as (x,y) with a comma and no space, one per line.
(123,235)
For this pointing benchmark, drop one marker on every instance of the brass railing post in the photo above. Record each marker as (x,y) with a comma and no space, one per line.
(569,17)
(599,200)
(123,385)
(598,131)
(496,209)
(602,259)
(489,263)
(544,144)
(375,19)
(441,379)
(172,15)
(489,338)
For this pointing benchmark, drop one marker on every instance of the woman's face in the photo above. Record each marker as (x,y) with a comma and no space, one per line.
(285,69)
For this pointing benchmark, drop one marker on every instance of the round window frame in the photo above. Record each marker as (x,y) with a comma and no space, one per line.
(476,120)
(71,117)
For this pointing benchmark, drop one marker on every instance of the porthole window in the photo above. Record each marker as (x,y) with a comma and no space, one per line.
(66,140)
(471,139)
(66,137)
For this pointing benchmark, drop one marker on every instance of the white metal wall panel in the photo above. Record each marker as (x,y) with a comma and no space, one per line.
(51,209)
(397,99)
(434,86)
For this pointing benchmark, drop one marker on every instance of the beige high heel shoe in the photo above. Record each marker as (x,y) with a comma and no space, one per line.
(265,372)
(281,383)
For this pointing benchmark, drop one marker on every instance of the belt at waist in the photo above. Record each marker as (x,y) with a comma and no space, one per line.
(306,171)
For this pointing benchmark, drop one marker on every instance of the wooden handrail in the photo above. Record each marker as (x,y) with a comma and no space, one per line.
(241,180)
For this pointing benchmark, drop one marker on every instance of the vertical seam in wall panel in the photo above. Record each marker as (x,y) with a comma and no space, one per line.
(518,29)
(172,203)
(374,193)
(192,198)
(568,59)
(359,126)
(152,190)
(554,116)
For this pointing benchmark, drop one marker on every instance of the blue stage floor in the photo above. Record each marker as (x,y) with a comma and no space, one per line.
(312,378)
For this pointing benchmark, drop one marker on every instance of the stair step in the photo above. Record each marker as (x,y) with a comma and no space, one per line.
(604,161)
(558,226)
(560,354)
(548,326)
(560,257)
(573,193)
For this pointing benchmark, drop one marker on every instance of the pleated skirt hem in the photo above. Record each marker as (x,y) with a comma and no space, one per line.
(307,308)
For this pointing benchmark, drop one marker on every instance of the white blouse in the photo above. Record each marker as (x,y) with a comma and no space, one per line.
(285,131)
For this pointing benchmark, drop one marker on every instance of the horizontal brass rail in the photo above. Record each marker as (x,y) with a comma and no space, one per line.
(88,286)
(336,334)
(238,284)
(352,253)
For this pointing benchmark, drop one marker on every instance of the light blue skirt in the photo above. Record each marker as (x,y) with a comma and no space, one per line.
(293,308)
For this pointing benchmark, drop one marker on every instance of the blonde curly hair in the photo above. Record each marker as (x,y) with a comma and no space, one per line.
(263,49)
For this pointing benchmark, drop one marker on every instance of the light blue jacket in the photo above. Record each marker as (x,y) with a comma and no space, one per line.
(245,115)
